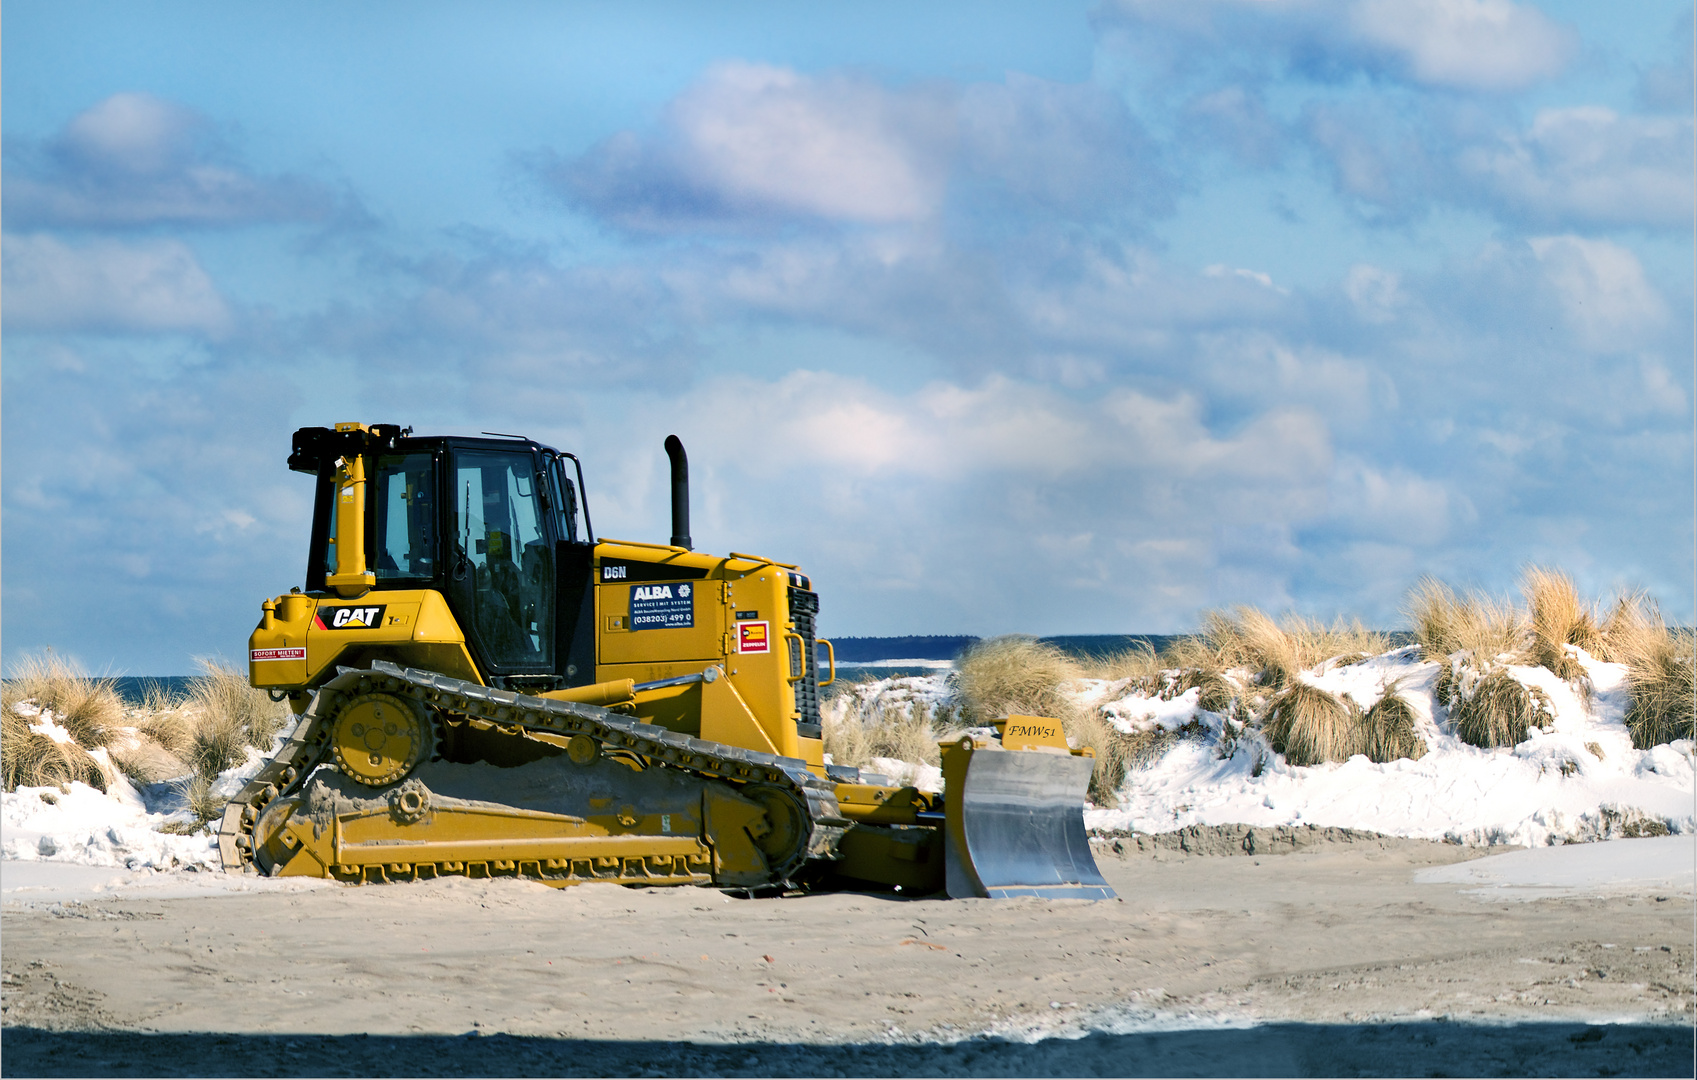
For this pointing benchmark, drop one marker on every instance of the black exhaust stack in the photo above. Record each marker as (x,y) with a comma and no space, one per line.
(680,493)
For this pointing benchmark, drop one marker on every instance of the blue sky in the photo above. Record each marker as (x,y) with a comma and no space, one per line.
(1013,318)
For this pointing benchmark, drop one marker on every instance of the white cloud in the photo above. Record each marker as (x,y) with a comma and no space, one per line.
(1125,298)
(1604,294)
(138,133)
(752,144)
(1072,146)
(1377,293)
(1659,390)
(106,286)
(1376,157)
(1593,165)
(1478,45)
(1466,44)
(1669,85)
(993,505)
(1238,117)
(753,140)
(836,148)
(133,160)
(1389,504)
(161,465)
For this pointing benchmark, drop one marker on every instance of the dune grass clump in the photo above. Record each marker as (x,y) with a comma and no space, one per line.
(1115,754)
(88,708)
(1445,623)
(90,711)
(1558,619)
(206,731)
(202,802)
(1493,710)
(1019,674)
(217,744)
(1309,725)
(1388,729)
(1215,692)
(189,740)
(1139,666)
(32,759)
(1276,651)
(223,692)
(856,730)
(1249,638)
(1661,675)
(1016,674)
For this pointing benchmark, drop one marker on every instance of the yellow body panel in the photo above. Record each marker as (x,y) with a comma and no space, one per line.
(741,623)
(301,637)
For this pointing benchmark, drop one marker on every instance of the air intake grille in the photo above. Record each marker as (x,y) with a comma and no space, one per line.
(804,611)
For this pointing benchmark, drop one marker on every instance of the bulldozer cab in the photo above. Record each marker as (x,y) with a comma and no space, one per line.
(490,524)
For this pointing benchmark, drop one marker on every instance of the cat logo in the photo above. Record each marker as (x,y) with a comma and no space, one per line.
(349,618)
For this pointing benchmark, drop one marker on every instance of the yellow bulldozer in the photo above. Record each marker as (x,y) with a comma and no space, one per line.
(485,688)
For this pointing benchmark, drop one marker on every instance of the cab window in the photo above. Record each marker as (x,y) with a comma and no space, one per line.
(404,491)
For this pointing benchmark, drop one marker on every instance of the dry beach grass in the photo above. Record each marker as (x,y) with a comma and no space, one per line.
(1558,622)
(1244,663)
(1018,674)
(1661,676)
(88,709)
(188,740)
(857,730)
(1476,636)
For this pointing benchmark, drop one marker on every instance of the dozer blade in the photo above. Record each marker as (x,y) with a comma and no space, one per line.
(1015,826)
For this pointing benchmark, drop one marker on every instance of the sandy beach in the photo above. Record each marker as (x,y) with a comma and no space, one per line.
(1364,931)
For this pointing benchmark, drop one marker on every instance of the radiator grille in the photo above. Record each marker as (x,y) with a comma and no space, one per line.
(804,611)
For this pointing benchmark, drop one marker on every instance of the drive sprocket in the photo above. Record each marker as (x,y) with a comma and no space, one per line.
(377,739)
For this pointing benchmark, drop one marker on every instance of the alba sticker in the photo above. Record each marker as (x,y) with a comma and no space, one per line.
(662,607)
(754,637)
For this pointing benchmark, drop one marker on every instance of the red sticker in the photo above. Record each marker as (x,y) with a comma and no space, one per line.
(278,654)
(754,637)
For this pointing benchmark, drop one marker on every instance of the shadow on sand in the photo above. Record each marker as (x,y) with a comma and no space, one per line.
(1426,1048)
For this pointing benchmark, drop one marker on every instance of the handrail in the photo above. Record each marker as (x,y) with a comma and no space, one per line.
(764,559)
(800,654)
(646,544)
(832,649)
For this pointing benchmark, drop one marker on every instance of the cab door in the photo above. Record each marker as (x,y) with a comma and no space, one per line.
(501,578)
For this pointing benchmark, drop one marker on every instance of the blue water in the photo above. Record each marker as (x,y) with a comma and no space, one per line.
(1078,646)
(133,688)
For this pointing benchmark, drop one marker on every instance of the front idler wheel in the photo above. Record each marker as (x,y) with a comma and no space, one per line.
(787,829)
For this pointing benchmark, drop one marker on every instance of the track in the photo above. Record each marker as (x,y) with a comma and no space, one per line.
(309,745)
